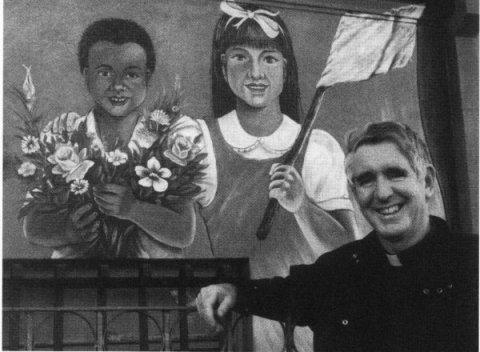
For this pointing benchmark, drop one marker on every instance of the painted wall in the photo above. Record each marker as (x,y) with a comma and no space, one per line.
(44,35)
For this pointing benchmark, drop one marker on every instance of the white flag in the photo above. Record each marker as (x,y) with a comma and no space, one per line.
(367,45)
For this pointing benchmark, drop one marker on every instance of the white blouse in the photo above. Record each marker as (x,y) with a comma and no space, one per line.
(323,168)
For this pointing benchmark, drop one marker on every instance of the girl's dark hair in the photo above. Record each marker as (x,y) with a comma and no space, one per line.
(250,33)
(118,31)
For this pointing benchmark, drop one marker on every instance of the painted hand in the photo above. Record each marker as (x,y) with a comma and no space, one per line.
(114,200)
(286,185)
(84,217)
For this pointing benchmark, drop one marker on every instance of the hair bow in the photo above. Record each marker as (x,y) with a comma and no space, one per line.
(268,25)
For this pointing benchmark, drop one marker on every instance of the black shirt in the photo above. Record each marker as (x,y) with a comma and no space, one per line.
(354,300)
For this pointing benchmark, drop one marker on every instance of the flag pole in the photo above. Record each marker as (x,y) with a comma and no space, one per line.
(291,157)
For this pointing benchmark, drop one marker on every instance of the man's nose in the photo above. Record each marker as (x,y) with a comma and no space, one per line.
(383,188)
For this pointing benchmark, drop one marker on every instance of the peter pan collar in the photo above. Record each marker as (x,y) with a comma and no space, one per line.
(278,142)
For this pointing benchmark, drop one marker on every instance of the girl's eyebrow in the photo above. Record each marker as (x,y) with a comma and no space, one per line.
(237,48)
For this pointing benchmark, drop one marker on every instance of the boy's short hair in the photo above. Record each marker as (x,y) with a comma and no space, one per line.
(118,31)
(407,141)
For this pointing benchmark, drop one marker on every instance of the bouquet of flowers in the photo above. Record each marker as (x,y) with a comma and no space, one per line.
(162,161)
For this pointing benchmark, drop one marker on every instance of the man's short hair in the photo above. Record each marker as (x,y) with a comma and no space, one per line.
(407,141)
(118,31)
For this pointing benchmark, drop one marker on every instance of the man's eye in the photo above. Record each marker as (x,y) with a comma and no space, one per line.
(395,174)
(364,181)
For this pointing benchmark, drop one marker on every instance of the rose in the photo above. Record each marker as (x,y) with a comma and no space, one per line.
(184,141)
(27,169)
(69,162)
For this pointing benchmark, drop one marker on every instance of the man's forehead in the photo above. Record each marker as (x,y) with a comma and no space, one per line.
(375,157)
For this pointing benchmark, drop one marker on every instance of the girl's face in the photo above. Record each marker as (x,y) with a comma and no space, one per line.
(254,75)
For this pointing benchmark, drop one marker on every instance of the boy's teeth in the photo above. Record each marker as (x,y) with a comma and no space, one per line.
(389,210)
(117,100)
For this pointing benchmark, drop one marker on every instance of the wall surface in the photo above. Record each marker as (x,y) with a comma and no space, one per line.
(44,35)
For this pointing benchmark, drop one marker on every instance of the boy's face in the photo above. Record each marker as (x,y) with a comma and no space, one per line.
(117,77)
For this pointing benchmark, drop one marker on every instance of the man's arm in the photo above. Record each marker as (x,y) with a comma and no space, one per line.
(302,295)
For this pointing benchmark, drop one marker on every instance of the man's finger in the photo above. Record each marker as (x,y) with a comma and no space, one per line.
(225,306)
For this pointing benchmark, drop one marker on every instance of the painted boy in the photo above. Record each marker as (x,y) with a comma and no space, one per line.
(117,60)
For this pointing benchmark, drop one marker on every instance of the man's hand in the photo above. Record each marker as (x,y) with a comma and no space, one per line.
(214,302)
(286,185)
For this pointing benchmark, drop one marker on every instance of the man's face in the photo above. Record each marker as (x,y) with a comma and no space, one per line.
(391,196)
(117,77)
(255,75)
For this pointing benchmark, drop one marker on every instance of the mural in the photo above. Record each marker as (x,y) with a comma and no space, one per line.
(170,90)
(129,134)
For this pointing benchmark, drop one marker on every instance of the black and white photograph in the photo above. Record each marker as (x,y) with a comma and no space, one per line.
(240,175)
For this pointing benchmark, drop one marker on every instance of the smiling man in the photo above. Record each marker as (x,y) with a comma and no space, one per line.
(409,285)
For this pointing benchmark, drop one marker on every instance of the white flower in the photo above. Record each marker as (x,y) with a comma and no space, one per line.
(28,88)
(117,157)
(30,144)
(79,186)
(185,141)
(69,162)
(27,169)
(153,175)
(160,117)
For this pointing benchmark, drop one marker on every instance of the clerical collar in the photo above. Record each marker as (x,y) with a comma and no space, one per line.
(426,249)
(393,259)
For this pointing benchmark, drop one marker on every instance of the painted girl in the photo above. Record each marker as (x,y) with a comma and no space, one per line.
(256,105)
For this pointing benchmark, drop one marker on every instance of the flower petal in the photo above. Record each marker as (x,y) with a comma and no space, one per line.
(164,172)
(145,182)
(160,185)
(153,164)
(79,172)
(174,158)
(141,171)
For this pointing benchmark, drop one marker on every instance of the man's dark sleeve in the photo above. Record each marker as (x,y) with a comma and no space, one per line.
(301,295)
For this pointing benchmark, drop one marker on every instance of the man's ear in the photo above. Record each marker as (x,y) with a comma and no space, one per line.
(430,177)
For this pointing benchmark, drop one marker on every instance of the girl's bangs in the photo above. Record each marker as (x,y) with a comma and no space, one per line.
(252,35)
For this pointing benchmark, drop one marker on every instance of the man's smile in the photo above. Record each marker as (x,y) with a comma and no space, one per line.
(390,210)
